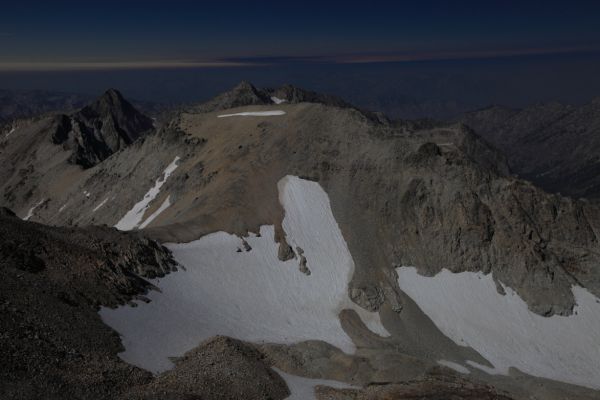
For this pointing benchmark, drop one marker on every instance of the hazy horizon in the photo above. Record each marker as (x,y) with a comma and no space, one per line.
(452,85)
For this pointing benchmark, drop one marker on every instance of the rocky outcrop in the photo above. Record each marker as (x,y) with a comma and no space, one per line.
(220,368)
(101,264)
(292,94)
(285,251)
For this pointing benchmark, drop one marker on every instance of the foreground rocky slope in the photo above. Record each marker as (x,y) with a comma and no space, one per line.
(54,345)
(402,194)
(555,146)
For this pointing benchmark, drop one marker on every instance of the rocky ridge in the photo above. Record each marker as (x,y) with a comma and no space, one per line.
(245,94)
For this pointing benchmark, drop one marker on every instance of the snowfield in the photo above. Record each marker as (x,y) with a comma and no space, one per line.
(249,295)
(31,210)
(254,114)
(455,366)
(467,308)
(277,100)
(99,206)
(165,204)
(10,133)
(134,217)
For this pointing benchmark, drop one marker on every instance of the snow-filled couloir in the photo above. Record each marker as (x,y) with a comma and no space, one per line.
(254,114)
(133,218)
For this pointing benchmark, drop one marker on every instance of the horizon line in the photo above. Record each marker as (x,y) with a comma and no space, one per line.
(257,61)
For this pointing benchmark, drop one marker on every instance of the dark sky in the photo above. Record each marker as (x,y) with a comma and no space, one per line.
(52,33)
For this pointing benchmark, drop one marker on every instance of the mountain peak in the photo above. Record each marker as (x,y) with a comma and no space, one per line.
(111,102)
(294,94)
(113,95)
(245,85)
(101,128)
(243,94)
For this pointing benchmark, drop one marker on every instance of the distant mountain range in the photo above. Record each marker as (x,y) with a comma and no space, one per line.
(556,146)
(15,104)
(22,104)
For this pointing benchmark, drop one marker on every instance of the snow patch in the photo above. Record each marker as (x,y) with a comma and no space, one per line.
(250,295)
(468,309)
(156,213)
(455,366)
(87,194)
(134,217)
(10,133)
(99,205)
(31,210)
(253,114)
(62,207)
(277,100)
(304,388)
